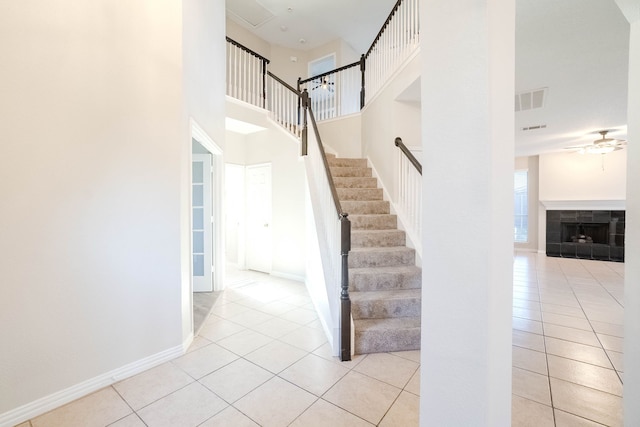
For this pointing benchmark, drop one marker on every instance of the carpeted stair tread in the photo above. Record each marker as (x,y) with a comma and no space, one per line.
(374,222)
(346,171)
(381,278)
(362,194)
(368,207)
(385,335)
(380,238)
(355,182)
(347,162)
(384,304)
(381,257)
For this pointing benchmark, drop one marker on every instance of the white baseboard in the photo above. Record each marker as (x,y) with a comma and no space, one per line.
(62,397)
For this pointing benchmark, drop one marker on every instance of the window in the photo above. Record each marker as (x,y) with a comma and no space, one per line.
(521,206)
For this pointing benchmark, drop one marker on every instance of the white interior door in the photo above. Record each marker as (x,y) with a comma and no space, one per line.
(258,213)
(202,230)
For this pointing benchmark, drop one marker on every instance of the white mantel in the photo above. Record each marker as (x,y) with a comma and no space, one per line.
(584,205)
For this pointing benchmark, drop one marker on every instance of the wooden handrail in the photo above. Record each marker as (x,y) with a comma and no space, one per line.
(327,73)
(283,83)
(384,26)
(246,49)
(409,155)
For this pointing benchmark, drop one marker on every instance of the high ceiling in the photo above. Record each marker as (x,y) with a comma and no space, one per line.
(576,49)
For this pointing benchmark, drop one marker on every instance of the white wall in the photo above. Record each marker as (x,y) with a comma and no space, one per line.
(342,136)
(288,198)
(384,119)
(94,172)
(574,176)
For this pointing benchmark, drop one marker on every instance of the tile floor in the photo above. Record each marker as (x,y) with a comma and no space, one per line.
(261,359)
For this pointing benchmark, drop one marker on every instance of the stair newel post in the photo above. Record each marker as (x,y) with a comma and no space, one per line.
(345,301)
(362,69)
(305,105)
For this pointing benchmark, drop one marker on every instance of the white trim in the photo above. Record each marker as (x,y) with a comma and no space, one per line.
(246,104)
(62,397)
(578,205)
(217,186)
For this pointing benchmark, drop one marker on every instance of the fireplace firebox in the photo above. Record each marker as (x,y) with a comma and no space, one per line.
(585,234)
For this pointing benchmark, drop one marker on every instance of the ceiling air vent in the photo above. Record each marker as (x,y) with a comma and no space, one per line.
(530,100)
(534,127)
(249,11)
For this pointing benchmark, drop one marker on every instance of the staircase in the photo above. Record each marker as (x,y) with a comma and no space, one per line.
(385,284)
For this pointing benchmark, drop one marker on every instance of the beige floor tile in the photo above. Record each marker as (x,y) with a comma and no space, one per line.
(235,380)
(251,318)
(245,342)
(275,403)
(386,367)
(24,424)
(564,419)
(531,386)
(526,325)
(527,314)
(530,360)
(298,300)
(300,315)
(276,327)
(276,356)
(186,407)
(585,374)
(527,413)
(228,309)
(205,360)
(413,355)
(568,321)
(525,303)
(151,385)
(221,329)
(528,340)
(571,334)
(576,351)
(608,329)
(276,308)
(325,352)
(132,420)
(229,417)
(611,343)
(587,403)
(413,386)
(617,359)
(314,374)
(305,338)
(323,413)
(97,409)
(317,324)
(198,342)
(405,412)
(363,396)
(562,310)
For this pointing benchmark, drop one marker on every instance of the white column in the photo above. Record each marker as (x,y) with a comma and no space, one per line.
(467,49)
(631,9)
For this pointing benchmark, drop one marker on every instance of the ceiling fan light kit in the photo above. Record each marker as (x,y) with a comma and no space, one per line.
(603,145)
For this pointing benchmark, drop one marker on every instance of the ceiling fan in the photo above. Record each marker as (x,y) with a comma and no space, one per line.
(325,84)
(603,145)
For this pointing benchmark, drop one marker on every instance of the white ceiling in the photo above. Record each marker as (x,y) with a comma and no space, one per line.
(577,49)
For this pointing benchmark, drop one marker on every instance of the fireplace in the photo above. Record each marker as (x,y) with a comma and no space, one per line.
(586,234)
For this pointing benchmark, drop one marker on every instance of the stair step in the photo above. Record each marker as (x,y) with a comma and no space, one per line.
(380,238)
(373,222)
(365,207)
(345,162)
(385,278)
(340,171)
(359,193)
(385,304)
(384,335)
(355,182)
(381,257)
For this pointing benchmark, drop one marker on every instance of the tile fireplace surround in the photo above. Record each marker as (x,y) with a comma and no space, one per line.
(586,234)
